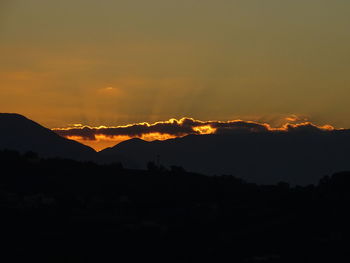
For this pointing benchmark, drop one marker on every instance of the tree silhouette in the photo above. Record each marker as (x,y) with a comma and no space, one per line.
(63,210)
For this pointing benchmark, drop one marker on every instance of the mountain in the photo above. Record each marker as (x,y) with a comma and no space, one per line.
(21,134)
(265,157)
(295,157)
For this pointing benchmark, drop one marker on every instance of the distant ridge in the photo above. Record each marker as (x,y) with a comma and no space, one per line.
(298,157)
(127,154)
(21,134)
(295,157)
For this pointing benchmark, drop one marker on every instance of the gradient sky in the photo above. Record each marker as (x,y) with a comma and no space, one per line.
(118,62)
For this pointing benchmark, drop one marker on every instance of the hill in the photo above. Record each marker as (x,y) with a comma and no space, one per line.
(269,157)
(56,210)
(21,134)
(298,157)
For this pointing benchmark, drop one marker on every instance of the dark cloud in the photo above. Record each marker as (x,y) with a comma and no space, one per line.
(171,127)
(239,126)
(307,127)
(186,126)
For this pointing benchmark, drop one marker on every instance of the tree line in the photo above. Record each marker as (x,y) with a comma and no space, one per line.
(60,210)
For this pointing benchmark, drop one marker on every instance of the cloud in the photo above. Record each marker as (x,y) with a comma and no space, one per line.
(185,126)
(109,91)
(306,127)
(296,118)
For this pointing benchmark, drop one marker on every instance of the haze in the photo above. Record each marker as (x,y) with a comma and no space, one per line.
(119,62)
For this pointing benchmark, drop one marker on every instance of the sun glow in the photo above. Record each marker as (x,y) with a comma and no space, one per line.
(103,137)
(206,129)
(102,141)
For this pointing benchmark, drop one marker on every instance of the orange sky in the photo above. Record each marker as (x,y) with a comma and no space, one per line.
(102,142)
(102,137)
(119,62)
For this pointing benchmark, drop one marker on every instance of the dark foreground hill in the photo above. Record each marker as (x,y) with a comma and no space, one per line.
(295,157)
(68,211)
(21,134)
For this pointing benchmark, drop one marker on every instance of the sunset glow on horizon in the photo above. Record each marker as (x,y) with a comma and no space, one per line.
(143,61)
(184,130)
(103,137)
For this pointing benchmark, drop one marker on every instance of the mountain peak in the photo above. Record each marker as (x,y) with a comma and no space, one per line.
(22,134)
(14,116)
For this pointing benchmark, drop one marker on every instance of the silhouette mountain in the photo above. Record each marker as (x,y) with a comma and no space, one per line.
(298,157)
(23,135)
(295,157)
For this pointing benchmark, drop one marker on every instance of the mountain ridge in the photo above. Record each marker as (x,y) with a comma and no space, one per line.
(298,157)
(22,134)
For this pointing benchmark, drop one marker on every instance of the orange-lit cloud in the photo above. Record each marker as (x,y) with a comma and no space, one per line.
(103,137)
(101,141)
(296,118)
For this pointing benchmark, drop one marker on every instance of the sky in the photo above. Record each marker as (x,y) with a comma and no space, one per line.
(113,63)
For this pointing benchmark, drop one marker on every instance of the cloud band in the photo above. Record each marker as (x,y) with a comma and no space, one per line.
(185,126)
